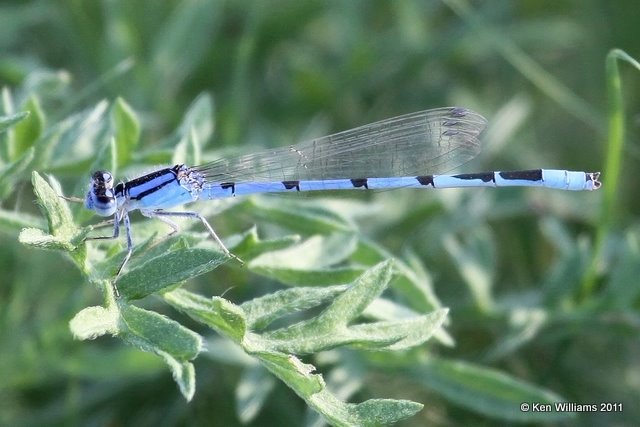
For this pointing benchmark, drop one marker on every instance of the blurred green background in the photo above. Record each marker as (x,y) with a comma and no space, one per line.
(510,263)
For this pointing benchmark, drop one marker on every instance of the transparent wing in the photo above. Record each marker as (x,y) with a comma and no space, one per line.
(427,142)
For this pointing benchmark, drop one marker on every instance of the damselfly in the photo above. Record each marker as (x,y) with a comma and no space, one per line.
(409,151)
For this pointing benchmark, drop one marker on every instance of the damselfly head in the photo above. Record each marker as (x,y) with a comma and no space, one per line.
(101,198)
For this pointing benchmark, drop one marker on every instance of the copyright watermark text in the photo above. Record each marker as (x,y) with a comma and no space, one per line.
(571,407)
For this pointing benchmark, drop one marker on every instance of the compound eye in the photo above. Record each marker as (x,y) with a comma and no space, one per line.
(102,180)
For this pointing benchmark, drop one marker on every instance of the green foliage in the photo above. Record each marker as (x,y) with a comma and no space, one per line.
(493,298)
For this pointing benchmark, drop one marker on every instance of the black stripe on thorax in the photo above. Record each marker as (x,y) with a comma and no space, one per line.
(130,185)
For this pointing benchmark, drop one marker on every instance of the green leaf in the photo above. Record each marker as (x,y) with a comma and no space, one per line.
(192,26)
(373,412)
(292,372)
(320,277)
(376,412)
(486,391)
(319,251)
(197,123)
(126,129)
(261,312)
(310,217)
(475,259)
(70,143)
(63,233)
(361,293)
(188,151)
(311,387)
(618,294)
(230,320)
(93,322)
(11,221)
(330,328)
(160,333)
(412,282)
(249,245)
(252,391)
(27,132)
(163,271)
(12,119)
(287,266)
(217,313)
(173,342)
(410,332)
(12,174)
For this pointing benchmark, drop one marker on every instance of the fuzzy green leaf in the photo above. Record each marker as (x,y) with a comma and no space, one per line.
(319,251)
(26,132)
(330,328)
(374,412)
(297,375)
(288,266)
(12,173)
(93,322)
(408,332)
(168,339)
(188,150)
(260,312)
(217,313)
(126,129)
(361,293)
(250,245)
(10,120)
(412,283)
(160,333)
(319,277)
(163,271)
(71,143)
(486,390)
(63,233)
(198,121)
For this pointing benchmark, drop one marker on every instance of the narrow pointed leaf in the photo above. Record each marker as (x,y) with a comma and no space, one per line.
(27,131)
(63,232)
(10,120)
(310,217)
(361,293)
(161,272)
(216,312)
(127,130)
(158,334)
(13,173)
(262,311)
(315,252)
(252,391)
(486,390)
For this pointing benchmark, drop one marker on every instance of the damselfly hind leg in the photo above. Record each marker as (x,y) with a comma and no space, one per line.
(161,215)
